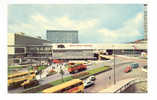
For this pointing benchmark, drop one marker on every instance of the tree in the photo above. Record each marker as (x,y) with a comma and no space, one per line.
(61,72)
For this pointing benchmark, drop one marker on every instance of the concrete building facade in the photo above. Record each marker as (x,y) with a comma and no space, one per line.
(21,46)
(18,43)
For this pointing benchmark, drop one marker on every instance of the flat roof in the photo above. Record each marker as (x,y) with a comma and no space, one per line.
(62,30)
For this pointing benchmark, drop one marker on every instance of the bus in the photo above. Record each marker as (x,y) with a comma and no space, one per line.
(20,74)
(73,68)
(72,86)
(18,78)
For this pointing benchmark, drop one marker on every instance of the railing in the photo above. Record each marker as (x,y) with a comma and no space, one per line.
(122,88)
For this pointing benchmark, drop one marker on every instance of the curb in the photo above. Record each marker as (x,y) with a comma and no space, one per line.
(95,74)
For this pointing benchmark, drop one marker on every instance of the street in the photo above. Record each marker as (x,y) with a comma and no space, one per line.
(103,80)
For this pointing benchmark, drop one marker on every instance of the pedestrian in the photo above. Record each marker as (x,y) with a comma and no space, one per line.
(109,77)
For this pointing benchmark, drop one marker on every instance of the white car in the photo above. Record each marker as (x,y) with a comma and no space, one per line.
(88,83)
(92,78)
(144,68)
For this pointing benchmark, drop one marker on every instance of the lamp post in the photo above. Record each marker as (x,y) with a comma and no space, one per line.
(114,65)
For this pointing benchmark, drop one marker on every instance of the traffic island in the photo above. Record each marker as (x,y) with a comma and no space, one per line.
(95,71)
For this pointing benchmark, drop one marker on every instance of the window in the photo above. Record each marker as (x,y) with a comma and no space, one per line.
(68,88)
(61,46)
(19,50)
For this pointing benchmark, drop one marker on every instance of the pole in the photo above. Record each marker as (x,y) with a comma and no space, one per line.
(114,68)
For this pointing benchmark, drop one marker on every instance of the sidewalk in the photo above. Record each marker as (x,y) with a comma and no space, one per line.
(118,85)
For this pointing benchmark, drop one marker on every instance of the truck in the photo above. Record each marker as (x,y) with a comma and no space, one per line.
(74,68)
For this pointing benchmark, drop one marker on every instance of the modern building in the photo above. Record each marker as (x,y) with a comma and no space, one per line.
(90,51)
(62,36)
(20,46)
(73,51)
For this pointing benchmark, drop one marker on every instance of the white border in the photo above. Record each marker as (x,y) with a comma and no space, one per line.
(75,1)
(151,47)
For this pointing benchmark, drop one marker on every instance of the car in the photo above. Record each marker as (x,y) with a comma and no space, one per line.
(144,68)
(134,65)
(128,69)
(88,83)
(92,78)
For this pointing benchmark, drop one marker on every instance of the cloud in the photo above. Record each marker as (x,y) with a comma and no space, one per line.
(63,22)
(40,23)
(95,23)
(66,23)
(39,18)
(129,30)
(87,24)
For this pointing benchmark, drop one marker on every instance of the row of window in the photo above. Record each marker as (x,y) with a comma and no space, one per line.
(17,76)
(65,41)
(22,50)
(70,87)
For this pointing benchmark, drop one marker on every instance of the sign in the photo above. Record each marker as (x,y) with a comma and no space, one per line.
(80,45)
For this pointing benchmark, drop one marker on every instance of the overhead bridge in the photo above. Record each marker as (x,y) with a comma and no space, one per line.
(121,85)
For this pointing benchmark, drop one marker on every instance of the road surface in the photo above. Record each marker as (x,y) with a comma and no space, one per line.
(103,81)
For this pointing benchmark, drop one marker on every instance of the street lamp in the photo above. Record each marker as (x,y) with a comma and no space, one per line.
(114,65)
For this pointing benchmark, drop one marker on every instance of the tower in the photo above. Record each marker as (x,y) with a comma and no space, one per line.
(145,21)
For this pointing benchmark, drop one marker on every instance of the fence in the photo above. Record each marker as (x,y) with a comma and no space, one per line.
(122,88)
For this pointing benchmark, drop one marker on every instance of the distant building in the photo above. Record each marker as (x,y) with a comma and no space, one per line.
(62,36)
(145,21)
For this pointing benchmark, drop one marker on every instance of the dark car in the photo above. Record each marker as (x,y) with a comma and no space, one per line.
(135,65)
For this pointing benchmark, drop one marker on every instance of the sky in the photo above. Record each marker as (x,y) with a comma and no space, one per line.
(96,23)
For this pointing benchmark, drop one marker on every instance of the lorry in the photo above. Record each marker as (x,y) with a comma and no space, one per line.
(74,68)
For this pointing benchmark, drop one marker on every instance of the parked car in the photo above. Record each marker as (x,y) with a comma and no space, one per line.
(134,65)
(144,68)
(128,69)
(92,78)
(88,83)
